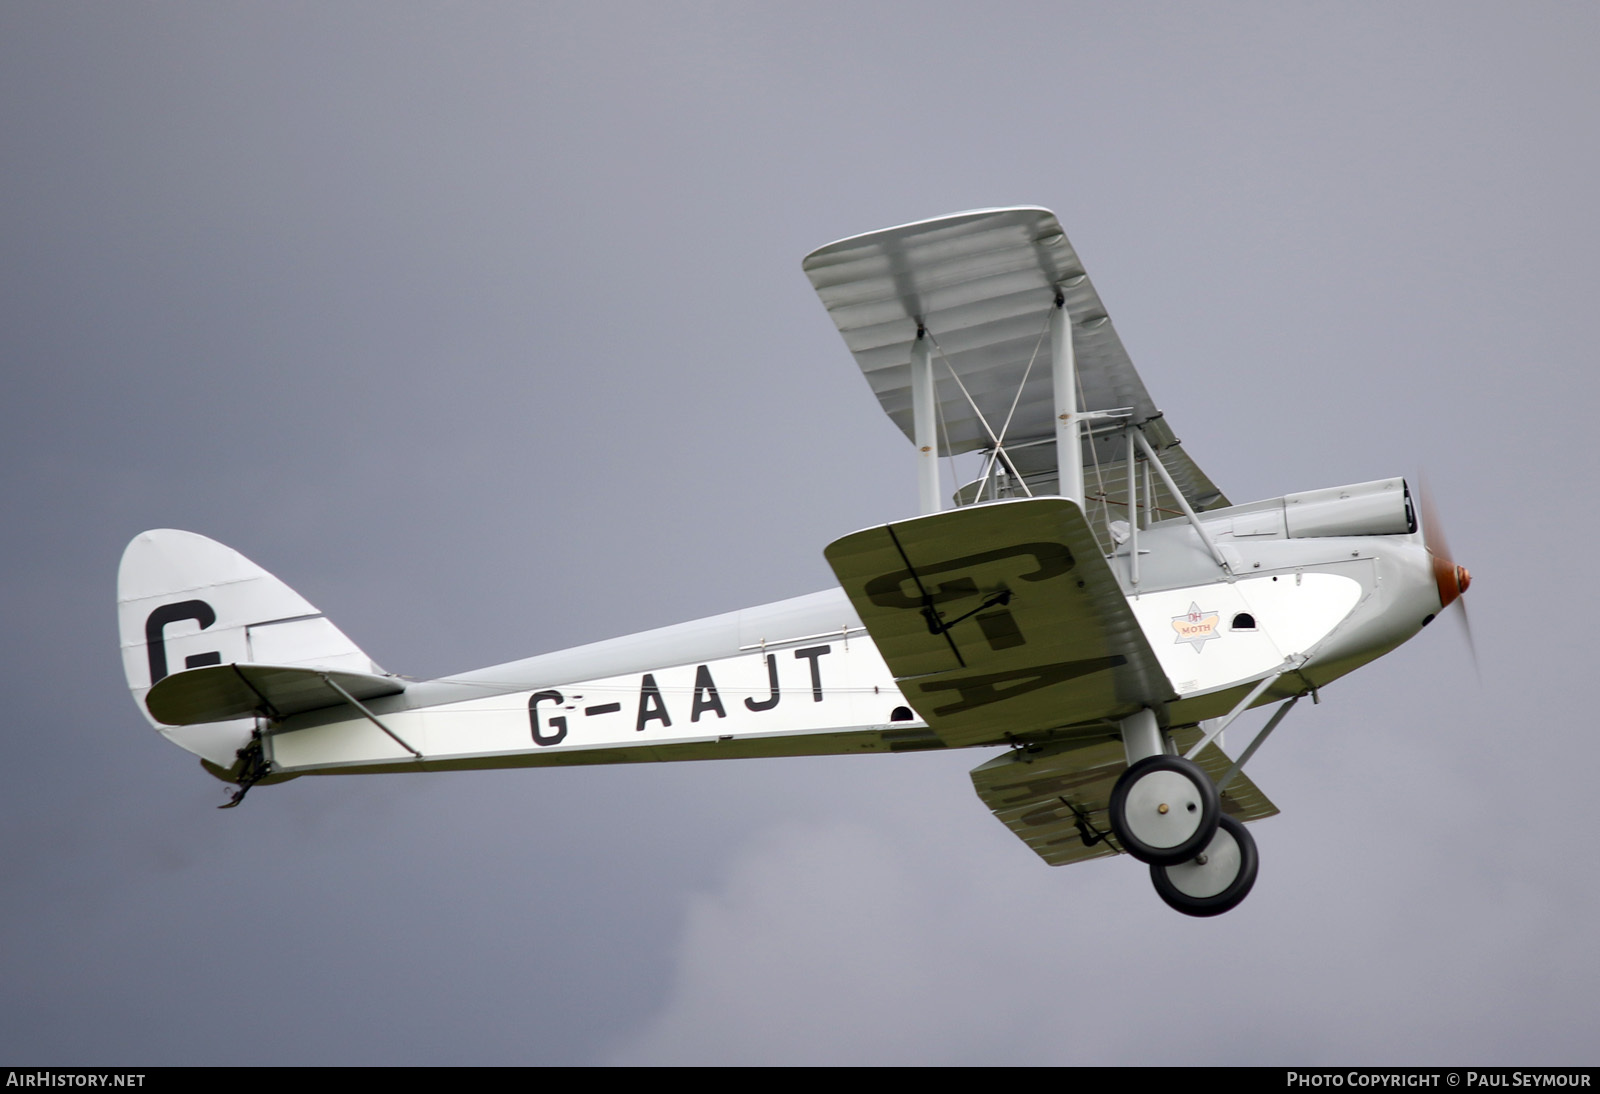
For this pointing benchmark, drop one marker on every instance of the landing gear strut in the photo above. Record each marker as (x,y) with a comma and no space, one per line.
(1216,879)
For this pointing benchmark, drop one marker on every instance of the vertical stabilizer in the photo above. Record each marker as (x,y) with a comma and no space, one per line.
(187,602)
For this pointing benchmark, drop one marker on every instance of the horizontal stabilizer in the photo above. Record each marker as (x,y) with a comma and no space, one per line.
(220,692)
(1000,620)
(1056,799)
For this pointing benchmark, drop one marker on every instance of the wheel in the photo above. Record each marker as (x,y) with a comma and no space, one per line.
(1217,879)
(1164,810)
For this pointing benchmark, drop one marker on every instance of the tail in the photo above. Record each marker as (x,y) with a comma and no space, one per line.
(228,643)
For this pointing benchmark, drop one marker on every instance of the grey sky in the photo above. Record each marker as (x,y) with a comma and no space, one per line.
(484,327)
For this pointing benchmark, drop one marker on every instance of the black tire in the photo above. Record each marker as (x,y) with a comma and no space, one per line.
(1198,889)
(1164,809)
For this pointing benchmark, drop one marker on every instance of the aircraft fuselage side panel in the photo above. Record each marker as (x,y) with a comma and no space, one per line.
(826,686)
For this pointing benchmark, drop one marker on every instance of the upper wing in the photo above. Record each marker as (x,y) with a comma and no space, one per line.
(1000,621)
(1055,798)
(983,283)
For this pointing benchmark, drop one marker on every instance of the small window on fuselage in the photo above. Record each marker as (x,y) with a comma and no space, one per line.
(1244,621)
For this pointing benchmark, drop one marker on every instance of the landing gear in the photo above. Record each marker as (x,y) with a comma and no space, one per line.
(1164,810)
(1215,880)
(1166,813)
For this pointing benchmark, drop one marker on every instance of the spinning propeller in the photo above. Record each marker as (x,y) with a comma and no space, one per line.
(1453,580)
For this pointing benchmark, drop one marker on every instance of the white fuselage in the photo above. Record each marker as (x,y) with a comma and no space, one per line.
(801,676)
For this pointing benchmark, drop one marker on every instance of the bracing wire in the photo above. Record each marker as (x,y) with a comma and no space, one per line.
(983,421)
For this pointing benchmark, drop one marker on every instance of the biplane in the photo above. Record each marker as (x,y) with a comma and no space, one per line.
(1090,605)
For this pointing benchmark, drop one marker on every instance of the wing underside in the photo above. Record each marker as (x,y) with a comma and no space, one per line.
(983,284)
(1000,622)
(1055,798)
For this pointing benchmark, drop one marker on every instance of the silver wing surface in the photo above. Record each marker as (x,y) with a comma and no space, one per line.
(1000,622)
(983,284)
(1055,798)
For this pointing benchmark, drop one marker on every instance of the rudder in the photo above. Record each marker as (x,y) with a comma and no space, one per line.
(188,602)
